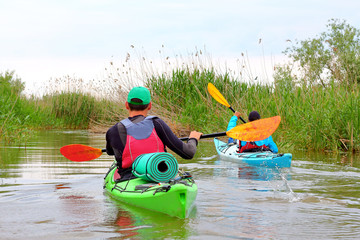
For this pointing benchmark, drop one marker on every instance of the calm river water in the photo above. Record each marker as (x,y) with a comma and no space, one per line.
(45,196)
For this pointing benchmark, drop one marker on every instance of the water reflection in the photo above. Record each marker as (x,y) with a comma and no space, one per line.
(344,159)
(43,195)
(138,223)
(263,173)
(127,224)
(257,173)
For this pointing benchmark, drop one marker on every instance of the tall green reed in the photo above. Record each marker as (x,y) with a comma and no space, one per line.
(20,114)
(16,113)
(80,110)
(313,117)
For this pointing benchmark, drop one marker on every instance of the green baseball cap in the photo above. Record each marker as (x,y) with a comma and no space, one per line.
(139,96)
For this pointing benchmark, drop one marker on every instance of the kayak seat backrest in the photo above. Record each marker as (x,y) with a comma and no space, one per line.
(125,177)
(257,150)
(116,175)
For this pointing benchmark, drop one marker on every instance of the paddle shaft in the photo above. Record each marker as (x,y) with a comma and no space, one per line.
(81,153)
(210,135)
(239,117)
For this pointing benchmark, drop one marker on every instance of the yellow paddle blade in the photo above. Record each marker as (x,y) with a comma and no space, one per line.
(80,153)
(217,95)
(256,130)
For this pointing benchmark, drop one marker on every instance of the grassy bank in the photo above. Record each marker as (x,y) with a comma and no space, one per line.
(313,117)
(20,115)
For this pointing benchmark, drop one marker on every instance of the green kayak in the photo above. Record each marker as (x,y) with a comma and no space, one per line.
(175,198)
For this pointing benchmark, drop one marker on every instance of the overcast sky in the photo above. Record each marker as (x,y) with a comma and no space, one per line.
(43,39)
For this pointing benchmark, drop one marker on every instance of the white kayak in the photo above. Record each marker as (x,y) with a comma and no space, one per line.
(260,158)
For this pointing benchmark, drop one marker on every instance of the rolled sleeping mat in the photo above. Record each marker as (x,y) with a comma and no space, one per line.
(156,167)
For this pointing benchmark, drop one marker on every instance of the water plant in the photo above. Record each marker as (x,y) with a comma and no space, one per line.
(13,111)
(20,114)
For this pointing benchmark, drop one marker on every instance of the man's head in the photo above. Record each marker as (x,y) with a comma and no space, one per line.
(254,115)
(139,98)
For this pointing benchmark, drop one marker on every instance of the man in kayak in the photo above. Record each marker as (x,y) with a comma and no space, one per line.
(140,133)
(265,144)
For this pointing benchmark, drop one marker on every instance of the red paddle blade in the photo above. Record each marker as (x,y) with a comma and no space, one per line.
(255,130)
(80,153)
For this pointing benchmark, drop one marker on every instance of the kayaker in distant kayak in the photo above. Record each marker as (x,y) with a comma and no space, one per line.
(267,143)
(140,133)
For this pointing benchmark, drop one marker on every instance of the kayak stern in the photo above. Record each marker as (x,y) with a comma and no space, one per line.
(175,198)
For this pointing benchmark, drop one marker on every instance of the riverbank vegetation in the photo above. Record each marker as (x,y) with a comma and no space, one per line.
(74,109)
(316,94)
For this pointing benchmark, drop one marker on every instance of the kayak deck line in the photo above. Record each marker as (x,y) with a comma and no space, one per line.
(154,186)
(228,146)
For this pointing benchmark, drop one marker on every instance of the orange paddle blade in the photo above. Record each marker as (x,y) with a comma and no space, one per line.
(80,153)
(214,92)
(256,130)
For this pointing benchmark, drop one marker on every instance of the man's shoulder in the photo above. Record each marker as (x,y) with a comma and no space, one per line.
(152,117)
(112,128)
(157,120)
